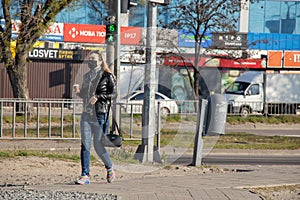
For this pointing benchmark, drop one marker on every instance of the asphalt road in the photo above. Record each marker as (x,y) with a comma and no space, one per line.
(243,160)
(267,132)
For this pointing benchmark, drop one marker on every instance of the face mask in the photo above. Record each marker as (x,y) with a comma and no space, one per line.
(92,64)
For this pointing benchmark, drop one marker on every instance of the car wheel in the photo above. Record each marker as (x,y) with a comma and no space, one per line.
(164,111)
(245,111)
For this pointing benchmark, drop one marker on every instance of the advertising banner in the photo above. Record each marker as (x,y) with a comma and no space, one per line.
(230,41)
(84,33)
(291,59)
(274,59)
(55,32)
(187,39)
(55,54)
(242,63)
(131,35)
(15,26)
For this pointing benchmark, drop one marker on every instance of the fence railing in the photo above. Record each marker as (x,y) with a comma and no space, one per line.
(60,119)
(245,108)
(41,119)
(57,119)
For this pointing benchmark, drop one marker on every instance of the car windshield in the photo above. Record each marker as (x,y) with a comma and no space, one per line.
(237,88)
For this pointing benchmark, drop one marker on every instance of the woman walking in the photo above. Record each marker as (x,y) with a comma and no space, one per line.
(97,90)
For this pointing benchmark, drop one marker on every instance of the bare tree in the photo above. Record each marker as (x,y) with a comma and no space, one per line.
(200,17)
(35,17)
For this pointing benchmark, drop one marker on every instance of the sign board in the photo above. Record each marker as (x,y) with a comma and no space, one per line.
(84,33)
(131,35)
(274,59)
(15,26)
(187,39)
(242,63)
(230,41)
(291,59)
(55,54)
(55,32)
(283,59)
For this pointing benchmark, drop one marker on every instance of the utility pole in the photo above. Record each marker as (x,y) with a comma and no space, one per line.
(145,152)
(113,35)
(116,112)
(110,45)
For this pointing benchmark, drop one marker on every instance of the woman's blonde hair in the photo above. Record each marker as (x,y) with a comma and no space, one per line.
(104,64)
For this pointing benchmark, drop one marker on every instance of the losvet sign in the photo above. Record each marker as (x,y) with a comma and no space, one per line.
(55,54)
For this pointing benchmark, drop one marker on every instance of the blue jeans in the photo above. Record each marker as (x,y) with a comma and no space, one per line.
(90,125)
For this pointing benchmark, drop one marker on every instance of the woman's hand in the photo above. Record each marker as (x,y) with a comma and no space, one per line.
(76,88)
(93,100)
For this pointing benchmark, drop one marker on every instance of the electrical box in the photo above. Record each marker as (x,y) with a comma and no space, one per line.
(216,115)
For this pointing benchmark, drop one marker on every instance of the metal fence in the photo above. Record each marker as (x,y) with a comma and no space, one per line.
(57,119)
(259,108)
(41,119)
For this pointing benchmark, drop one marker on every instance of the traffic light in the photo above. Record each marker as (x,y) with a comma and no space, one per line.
(127,4)
(111,29)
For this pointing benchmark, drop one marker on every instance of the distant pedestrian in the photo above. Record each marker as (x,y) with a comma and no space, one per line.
(97,90)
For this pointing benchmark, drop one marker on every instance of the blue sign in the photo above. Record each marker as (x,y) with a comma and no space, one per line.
(56,38)
(187,39)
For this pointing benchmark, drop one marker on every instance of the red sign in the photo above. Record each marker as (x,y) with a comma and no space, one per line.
(131,35)
(212,62)
(177,61)
(189,60)
(84,33)
(242,63)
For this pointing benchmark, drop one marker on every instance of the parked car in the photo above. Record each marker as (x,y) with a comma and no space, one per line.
(135,103)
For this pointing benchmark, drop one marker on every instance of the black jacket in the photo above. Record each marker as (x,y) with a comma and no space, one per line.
(105,92)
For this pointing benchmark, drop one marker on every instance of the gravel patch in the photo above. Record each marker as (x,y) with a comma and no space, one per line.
(18,193)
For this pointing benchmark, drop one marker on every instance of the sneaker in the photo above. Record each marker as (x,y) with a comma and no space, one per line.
(84,180)
(111,175)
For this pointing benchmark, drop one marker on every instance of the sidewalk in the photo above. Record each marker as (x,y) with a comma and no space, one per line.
(207,186)
(231,185)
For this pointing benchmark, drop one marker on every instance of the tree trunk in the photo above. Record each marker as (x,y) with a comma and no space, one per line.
(197,71)
(17,73)
(196,82)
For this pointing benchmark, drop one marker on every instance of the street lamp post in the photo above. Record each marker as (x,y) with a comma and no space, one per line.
(145,152)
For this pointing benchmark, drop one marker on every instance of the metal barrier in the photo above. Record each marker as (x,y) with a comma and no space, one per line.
(259,108)
(57,119)
(40,119)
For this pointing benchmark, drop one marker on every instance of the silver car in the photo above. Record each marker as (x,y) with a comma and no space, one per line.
(134,103)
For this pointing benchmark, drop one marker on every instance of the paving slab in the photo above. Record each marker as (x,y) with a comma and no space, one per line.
(203,186)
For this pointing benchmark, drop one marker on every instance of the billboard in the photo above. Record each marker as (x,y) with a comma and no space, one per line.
(131,35)
(187,39)
(55,32)
(283,59)
(291,59)
(84,33)
(55,54)
(274,59)
(230,41)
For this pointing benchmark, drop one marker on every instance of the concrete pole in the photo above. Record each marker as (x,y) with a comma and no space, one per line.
(198,143)
(148,118)
(110,46)
(116,110)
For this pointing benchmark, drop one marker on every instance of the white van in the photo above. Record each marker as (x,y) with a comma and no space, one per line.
(246,94)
